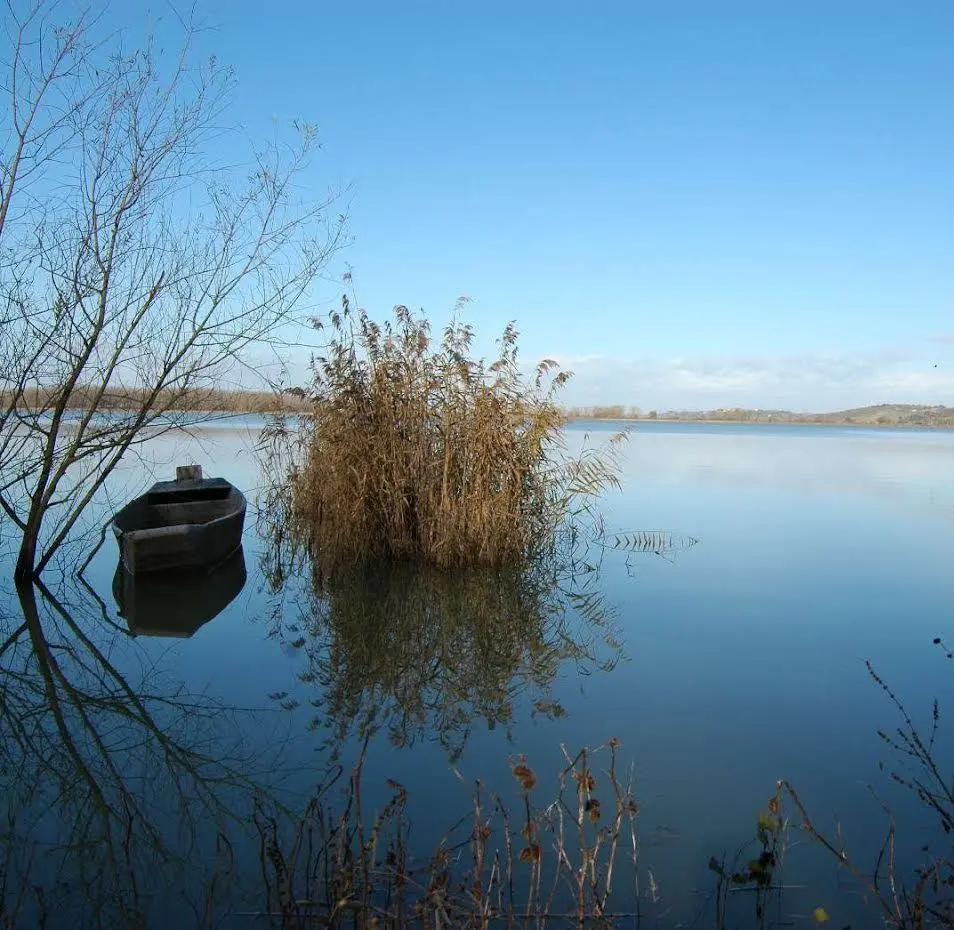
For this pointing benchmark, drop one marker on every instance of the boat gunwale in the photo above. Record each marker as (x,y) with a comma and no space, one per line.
(214,528)
(241,505)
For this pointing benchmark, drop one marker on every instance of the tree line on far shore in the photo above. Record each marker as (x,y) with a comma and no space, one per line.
(295,400)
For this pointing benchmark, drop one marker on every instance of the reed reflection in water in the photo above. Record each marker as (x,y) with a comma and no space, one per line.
(423,653)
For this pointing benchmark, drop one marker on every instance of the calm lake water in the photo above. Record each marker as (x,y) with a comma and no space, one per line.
(730,659)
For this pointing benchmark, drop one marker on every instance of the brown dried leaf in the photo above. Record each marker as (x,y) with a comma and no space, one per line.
(530,853)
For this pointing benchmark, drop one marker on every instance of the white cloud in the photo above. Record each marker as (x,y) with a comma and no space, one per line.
(815,382)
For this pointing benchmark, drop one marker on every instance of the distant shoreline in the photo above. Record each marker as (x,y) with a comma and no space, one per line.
(623,421)
(713,422)
(295,401)
(878,416)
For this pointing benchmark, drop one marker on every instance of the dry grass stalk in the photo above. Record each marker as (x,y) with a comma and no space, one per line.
(417,451)
(924,899)
(350,869)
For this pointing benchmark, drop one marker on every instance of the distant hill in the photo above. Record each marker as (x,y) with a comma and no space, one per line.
(911,415)
(892,415)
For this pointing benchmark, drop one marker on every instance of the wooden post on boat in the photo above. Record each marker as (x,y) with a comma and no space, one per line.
(189,473)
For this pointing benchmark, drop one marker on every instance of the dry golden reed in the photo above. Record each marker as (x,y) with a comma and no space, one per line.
(417,451)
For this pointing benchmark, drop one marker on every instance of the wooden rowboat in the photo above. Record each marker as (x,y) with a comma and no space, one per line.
(190,523)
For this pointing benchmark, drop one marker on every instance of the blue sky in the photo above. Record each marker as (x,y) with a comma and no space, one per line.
(688,204)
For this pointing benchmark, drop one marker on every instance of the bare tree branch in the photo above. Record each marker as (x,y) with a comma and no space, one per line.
(129,266)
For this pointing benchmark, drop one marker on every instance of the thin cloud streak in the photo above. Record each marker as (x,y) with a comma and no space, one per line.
(807,382)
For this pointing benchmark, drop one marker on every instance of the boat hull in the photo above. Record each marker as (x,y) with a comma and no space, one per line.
(180,525)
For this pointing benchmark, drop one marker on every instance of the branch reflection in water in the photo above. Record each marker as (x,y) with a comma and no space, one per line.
(121,781)
(424,653)
(118,782)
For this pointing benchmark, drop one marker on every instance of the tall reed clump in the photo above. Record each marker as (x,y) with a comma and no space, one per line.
(417,451)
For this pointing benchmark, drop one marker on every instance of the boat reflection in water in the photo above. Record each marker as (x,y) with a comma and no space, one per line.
(177,603)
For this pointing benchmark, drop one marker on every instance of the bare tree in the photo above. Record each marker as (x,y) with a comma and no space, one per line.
(134,272)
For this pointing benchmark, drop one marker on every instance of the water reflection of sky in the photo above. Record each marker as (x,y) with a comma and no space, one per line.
(818,548)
